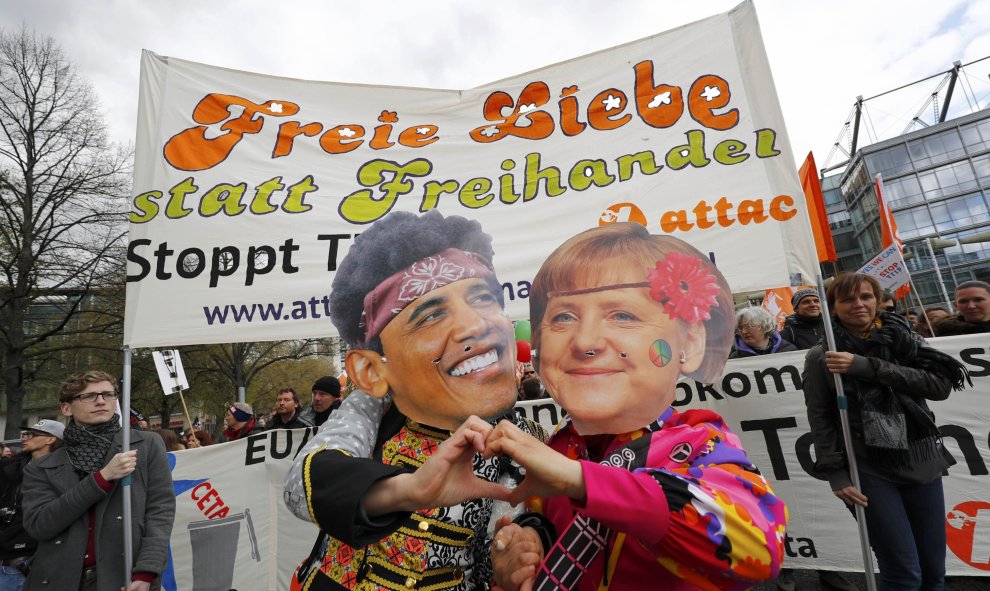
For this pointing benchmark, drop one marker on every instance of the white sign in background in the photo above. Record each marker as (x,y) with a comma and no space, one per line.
(249,189)
(171,374)
(232,529)
(888,268)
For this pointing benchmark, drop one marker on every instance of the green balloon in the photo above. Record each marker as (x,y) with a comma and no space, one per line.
(523,330)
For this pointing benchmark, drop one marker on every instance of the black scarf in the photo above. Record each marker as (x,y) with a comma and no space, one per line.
(88,446)
(897,430)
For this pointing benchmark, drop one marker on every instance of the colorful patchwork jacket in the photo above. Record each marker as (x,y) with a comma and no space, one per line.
(696,514)
(431,550)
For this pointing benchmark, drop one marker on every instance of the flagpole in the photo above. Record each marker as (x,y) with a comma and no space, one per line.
(938,270)
(125,482)
(843,403)
(921,305)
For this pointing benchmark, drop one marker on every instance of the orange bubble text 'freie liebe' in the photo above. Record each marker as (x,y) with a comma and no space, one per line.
(222,121)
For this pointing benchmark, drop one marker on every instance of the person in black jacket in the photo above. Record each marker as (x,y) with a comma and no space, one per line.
(16,546)
(287,412)
(888,373)
(326,399)
(804,328)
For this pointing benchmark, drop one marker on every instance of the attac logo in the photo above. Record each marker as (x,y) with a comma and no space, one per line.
(967,533)
(622,212)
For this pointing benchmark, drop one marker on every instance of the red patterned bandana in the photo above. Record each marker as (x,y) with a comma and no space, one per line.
(384,303)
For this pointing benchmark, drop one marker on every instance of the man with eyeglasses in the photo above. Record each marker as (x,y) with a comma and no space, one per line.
(73,498)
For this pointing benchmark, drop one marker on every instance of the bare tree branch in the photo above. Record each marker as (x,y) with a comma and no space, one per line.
(63,198)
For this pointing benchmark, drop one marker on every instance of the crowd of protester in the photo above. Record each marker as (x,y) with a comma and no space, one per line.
(874,343)
(757,334)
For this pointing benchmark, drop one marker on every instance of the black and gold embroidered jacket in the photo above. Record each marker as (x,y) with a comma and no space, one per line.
(436,549)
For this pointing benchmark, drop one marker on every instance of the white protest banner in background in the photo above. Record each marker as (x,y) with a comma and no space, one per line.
(232,530)
(171,375)
(249,189)
(888,268)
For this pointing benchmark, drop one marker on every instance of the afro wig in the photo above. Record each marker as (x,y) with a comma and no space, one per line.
(390,245)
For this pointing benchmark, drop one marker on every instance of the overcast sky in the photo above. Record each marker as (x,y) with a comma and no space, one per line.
(823,54)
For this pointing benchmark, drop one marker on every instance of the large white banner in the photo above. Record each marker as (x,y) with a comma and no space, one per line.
(249,189)
(232,530)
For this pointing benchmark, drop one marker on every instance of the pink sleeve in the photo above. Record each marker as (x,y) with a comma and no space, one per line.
(625,501)
(711,519)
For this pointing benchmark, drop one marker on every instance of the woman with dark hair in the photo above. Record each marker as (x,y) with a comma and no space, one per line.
(201,439)
(888,372)
(671,497)
(171,439)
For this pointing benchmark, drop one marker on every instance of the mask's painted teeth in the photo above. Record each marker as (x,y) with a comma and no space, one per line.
(475,363)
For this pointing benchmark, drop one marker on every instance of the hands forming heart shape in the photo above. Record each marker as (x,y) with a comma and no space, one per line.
(448,478)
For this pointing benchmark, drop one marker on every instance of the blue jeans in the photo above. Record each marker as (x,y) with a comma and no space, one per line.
(11,579)
(906,523)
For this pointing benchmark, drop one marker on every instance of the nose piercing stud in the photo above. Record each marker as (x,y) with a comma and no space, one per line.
(436,361)
(623,354)
(590,352)
(466,349)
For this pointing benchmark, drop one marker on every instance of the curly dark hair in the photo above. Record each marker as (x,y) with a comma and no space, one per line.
(391,244)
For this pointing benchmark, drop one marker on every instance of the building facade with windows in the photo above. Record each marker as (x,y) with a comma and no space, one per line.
(937,184)
(847,250)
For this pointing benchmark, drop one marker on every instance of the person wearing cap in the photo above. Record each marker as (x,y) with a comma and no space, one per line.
(16,546)
(408,504)
(74,500)
(326,399)
(240,422)
(42,438)
(804,327)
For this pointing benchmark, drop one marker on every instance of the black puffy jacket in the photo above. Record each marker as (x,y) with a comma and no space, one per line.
(802,331)
(14,541)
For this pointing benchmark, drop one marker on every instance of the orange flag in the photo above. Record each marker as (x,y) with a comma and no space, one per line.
(888,231)
(777,301)
(816,210)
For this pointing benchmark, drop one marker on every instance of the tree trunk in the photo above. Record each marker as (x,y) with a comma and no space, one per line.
(14,387)
(238,371)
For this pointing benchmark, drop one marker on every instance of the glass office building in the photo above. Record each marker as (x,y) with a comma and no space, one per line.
(937,183)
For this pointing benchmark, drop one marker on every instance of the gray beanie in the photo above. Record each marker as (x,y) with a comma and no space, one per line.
(801,294)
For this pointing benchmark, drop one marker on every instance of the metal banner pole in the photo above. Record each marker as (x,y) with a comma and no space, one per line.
(126,481)
(938,271)
(843,402)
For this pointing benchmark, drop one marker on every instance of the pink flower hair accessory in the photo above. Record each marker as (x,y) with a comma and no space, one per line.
(684,286)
